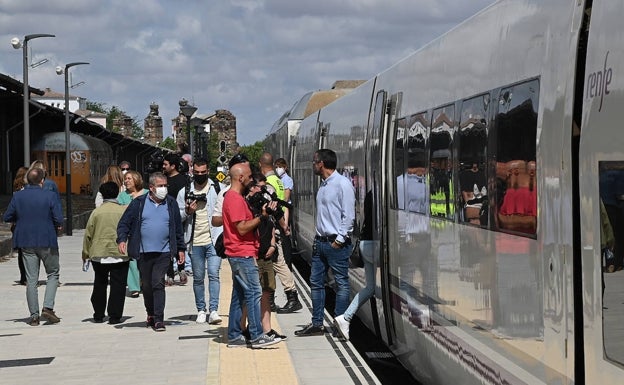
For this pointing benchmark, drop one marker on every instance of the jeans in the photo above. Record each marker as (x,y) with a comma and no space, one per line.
(245,291)
(324,257)
(364,294)
(200,257)
(117,273)
(153,267)
(50,259)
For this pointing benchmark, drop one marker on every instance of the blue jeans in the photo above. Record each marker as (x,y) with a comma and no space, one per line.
(200,257)
(364,294)
(325,257)
(246,291)
(50,259)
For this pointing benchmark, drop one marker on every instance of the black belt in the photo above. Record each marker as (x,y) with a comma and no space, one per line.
(326,238)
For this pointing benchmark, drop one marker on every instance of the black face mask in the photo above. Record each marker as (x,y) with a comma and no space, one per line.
(200,179)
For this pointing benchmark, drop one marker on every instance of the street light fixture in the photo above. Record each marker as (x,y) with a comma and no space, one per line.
(188,111)
(60,71)
(17,44)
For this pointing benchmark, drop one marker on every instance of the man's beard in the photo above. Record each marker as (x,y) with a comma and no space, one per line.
(247,188)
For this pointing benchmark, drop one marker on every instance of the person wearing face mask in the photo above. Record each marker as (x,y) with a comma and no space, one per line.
(125,166)
(196,204)
(150,231)
(281,169)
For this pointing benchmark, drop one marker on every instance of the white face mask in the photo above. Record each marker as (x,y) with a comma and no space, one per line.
(161,192)
(280,171)
(124,171)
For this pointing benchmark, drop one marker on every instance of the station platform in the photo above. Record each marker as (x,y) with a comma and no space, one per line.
(78,351)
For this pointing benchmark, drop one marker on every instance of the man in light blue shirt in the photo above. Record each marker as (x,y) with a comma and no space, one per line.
(335,214)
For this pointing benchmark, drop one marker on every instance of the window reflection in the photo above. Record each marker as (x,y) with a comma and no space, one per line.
(412,183)
(441,165)
(611,212)
(399,163)
(516,125)
(473,134)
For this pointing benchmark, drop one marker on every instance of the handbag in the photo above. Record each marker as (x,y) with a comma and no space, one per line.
(220,247)
(356,260)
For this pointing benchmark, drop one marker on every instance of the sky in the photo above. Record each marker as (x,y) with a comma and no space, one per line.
(255,58)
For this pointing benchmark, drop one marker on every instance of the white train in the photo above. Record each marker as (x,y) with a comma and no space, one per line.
(487,154)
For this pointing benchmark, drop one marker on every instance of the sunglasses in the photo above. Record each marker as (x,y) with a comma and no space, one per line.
(125,168)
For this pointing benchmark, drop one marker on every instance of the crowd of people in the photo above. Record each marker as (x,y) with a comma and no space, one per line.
(137,239)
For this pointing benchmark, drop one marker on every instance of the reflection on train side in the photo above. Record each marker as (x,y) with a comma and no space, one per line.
(612,255)
(462,169)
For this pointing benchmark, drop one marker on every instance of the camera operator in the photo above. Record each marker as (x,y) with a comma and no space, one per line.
(267,251)
(241,247)
(196,203)
(176,180)
(280,266)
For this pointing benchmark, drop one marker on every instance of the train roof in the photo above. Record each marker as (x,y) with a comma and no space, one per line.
(315,100)
(55,141)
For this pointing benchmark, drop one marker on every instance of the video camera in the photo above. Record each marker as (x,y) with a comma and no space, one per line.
(156,162)
(263,197)
(192,196)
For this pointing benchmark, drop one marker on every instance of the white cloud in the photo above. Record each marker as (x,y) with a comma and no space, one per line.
(252,57)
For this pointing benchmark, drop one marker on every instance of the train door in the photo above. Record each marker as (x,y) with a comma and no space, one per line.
(382,116)
(374,194)
(601,197)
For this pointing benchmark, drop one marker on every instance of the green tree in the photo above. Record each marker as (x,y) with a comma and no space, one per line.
(97,107)
(114,113)
(168,143)
(253,152)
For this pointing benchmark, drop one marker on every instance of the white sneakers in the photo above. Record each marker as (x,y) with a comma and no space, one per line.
(342,325)
(214,318)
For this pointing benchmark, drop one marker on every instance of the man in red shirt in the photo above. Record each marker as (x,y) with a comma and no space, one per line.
(241,247)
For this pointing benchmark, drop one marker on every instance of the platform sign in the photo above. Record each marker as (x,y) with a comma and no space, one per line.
(220,176)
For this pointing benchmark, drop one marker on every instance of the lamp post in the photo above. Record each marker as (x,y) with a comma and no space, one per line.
(188,111)
(68,185)
(15,42)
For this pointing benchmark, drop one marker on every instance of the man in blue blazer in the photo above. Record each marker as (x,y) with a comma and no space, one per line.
(37,215)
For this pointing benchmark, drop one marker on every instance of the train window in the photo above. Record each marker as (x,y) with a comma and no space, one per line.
(398,202)
(412,181)
(516,137)
(611,186)
(441,162)
(472,152)
(56,164)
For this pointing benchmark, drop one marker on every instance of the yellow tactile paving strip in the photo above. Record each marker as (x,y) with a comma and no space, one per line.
(236,366)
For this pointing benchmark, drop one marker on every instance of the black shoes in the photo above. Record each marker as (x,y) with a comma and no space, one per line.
(114,321)
(159,327)
(310,330)
(150,321)
(292,305)
(33,321)
(272,333)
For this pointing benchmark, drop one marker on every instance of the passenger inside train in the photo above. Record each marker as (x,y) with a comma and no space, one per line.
(474,194)
(518,211)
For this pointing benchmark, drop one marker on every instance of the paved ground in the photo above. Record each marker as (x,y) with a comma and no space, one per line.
(78,351)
